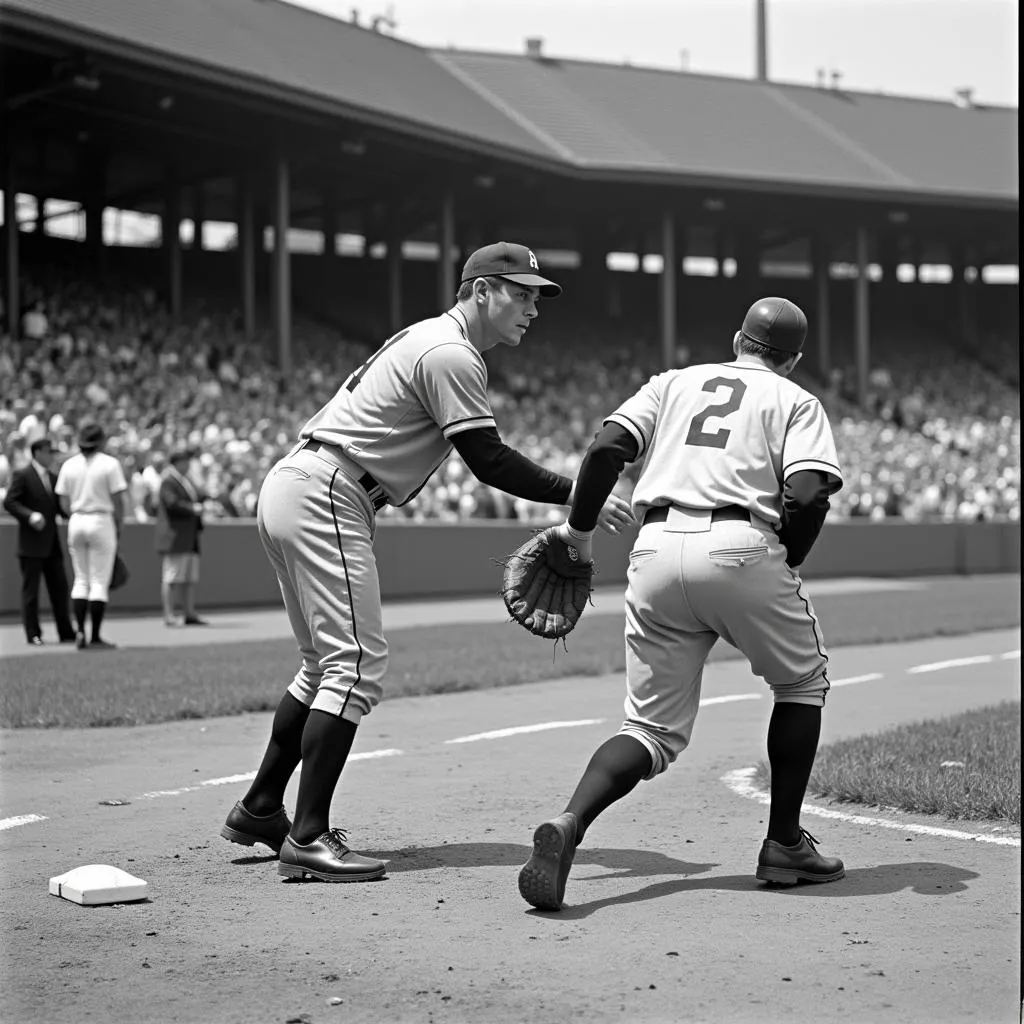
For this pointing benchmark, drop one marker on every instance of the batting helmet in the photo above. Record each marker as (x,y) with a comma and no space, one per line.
(777,323)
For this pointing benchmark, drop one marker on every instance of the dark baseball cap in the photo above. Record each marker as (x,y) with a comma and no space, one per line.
(777,323)
(512,262)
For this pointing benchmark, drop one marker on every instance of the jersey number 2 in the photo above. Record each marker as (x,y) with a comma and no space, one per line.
(716,438)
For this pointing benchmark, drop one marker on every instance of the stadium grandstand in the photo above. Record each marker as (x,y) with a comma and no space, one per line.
(214,209)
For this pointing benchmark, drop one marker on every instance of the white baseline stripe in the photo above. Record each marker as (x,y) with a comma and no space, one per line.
(870,677)
(1010,654)
(249,776)
(936,666)
(497,734)
(741,783)
(20,819)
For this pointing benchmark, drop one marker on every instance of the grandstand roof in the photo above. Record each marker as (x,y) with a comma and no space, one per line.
(582,118)
(271,45)
(608,117)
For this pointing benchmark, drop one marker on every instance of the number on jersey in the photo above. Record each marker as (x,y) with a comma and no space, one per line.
(718,438)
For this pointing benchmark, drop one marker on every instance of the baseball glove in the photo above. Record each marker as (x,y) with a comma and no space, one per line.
(546,585)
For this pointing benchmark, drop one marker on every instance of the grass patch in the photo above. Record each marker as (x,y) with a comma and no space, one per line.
(138,686)
(966,767)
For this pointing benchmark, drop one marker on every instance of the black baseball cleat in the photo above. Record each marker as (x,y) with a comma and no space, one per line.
(80,641)
(102,645)
(788,865)
(328,859)
(248,829)
(542,878)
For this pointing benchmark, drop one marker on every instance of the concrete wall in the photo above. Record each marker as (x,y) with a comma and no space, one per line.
(441,559)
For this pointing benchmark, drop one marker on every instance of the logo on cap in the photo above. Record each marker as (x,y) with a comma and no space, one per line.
(534,265)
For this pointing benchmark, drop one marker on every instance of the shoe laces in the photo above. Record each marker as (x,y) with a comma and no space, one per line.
(810,839)
(335,839)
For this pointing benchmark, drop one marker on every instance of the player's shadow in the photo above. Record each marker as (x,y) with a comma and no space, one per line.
(926,878)
(623,863)
(255,858)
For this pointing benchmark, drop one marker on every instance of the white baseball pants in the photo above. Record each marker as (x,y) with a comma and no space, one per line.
(317,526)
(92,544)
(690,582)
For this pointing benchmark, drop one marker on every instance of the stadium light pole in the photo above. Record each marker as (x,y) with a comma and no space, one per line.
(762,40)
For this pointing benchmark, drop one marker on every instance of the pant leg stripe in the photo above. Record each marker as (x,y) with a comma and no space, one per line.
(348,587)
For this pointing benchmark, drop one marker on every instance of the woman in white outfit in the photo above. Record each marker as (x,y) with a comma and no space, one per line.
(91,489)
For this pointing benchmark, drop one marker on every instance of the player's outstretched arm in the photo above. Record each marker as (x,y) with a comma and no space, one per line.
(494,463)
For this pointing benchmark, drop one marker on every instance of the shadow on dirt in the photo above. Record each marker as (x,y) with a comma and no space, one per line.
(927,878)
(623,863)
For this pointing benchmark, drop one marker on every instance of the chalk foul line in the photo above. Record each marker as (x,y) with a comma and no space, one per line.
(741,782)
(20,819)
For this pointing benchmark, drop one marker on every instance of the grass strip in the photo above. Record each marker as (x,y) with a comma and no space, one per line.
(136,686)
(964,768)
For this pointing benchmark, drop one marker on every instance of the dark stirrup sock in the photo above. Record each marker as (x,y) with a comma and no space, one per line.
(96,610)
(614,770)
(793,733)
(282,756)
(326,742)
(80,607)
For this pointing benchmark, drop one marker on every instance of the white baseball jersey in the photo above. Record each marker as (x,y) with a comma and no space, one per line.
(725,434)
(90,483)
(395,415)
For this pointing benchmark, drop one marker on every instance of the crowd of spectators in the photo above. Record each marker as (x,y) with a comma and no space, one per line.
(939,438)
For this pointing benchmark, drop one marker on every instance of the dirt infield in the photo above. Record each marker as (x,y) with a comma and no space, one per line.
(664,923)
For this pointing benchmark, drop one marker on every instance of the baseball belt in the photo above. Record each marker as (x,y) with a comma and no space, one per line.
(659,514)
(374,491)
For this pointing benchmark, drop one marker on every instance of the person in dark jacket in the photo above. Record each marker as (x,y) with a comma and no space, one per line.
(32,500)
(179,521)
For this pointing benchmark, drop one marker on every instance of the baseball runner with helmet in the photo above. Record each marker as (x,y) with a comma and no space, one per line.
(377,441)
(739,466)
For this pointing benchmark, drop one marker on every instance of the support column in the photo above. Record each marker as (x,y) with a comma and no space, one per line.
(964,293)
(246,245)
(95,195)
(446,241)
(198,215)
(171,239)
(861,317)
(394,260)
(282,268)
(12,299)
(329,226)
(669,274)
(821,258)
(39,225)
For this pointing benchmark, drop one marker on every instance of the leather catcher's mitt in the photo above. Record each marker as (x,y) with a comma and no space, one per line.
(546,585)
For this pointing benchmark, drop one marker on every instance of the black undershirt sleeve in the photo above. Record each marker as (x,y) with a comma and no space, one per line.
(493,463)
(804,507)
(604,461)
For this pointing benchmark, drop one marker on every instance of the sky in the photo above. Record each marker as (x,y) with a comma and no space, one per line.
(905,47)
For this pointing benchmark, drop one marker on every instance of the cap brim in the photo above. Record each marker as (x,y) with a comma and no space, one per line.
(548,289)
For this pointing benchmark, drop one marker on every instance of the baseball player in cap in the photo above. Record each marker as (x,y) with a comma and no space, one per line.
(739,465)
(377,441)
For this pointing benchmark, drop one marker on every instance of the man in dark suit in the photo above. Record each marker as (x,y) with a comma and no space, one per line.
(32,501)
(179,521)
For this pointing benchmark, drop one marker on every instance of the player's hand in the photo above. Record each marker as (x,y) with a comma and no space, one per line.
(37,520)
(615,516)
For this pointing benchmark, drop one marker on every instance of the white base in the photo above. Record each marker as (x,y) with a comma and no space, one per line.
(97,884)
